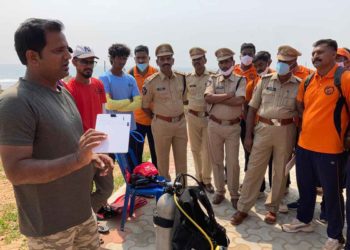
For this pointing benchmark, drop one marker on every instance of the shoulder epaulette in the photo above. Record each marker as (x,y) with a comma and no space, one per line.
(151,77)
(180,73)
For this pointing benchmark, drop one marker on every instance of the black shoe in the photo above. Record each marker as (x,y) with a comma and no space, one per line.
(293,206)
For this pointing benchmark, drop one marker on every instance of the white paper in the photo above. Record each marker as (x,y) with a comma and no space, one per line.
(290,165)
(117,128)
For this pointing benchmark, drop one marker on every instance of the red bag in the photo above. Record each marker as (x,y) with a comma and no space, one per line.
(146,169)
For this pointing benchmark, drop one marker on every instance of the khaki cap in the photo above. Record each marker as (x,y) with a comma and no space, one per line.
(223,54)
(287,53)
(197,52)
(164,49)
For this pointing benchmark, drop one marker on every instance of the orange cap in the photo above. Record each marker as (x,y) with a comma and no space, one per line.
(343,52)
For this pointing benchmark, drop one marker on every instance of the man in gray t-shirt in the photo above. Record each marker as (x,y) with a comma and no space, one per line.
(44,152)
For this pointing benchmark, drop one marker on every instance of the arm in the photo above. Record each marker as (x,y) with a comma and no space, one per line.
(135,104)
(21,168)
(234,101)
(217,98)
(116,104)
(148,111)
(248,140)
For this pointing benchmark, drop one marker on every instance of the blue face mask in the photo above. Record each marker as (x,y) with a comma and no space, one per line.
(282,68)
(142,66)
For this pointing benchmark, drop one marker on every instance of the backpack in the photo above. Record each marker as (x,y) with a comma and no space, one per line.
(194,228)
(143,175)
(341,100)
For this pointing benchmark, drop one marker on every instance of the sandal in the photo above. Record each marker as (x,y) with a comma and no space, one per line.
(270,218)
(102,229)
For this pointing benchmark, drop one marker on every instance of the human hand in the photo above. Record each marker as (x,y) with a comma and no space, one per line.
(90,139)
(103,162)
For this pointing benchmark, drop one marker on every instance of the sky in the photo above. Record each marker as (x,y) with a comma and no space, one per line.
(210,24)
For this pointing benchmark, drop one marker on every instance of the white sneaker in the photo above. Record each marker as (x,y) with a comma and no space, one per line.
(297,226)
(332,244)
(283,208)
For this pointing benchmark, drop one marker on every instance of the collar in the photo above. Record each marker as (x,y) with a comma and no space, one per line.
(163,76)
(231,78)
(136,71)
(330,74)
(292,79)
(206,72)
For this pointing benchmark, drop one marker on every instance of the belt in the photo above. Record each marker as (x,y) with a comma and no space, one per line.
(200,114)
(276,122)
(224,122)
(170,119)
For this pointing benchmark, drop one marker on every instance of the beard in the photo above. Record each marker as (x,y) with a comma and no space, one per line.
(87,75)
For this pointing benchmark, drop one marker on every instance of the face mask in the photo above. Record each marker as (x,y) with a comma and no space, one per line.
(142,66)
(227,72)
(264,72)
(282,68)
(246,60)
(340,64)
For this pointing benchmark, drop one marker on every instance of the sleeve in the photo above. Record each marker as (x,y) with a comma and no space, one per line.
(256,98)
(301,91)
(17,123)
(209,89)
(135,104)
(147,94)
(241,91)
(135,89)
(345,85)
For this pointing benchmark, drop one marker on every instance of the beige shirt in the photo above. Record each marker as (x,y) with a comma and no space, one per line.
(195,87)
(167,94)
(274,100)
(219,85)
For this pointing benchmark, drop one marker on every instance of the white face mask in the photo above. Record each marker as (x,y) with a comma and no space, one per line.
(227,72)
(341,64)
(264,72)
(246,60)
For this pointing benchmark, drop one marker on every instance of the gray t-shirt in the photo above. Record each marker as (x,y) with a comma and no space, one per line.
(31,114)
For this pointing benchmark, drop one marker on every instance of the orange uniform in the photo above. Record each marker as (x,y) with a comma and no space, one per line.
(318,131)
(250,74)
(302,72)
(140,116)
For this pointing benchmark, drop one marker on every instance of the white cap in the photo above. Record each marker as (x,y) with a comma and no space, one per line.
(83,52)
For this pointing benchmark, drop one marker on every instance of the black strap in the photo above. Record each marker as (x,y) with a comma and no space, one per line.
(239,81)
(184,84)
(131,72)
(337,82)
(162,222)
(308,80)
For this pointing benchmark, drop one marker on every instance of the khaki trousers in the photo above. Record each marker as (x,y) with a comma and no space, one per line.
(280,141)
(166,135)
(225,137)
(198,136)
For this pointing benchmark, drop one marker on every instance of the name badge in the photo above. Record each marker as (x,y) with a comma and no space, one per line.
(271,88)
(160,88)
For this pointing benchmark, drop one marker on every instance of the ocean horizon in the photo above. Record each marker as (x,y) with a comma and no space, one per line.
(10,73)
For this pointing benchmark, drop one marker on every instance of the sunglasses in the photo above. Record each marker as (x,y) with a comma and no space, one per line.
(87,62)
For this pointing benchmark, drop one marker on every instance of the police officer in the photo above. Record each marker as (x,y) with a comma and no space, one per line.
(225,94)
(166,90)
(274,101)
(198,117)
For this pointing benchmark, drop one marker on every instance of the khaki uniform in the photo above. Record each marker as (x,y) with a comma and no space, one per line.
(225,136)
(197,120)
(273,100)
(82,236)
(167,96)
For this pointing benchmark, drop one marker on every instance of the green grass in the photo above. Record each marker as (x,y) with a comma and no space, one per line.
(9,223)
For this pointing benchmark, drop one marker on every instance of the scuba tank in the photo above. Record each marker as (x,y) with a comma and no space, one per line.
(163,218)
